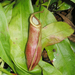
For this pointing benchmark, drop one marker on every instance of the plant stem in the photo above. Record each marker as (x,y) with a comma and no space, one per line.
(48,4)
(5,71)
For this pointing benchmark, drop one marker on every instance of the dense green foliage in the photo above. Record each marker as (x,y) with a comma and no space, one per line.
(14,25)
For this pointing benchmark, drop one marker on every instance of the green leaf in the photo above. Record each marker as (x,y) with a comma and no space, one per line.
(5,71)
(46,17)
(53,1)
(38,1)
(36,70)
(4,39)
(59,2)
(72,45)
(8,69)
(55,32)
(20,71)
(4,3)
(48,69)
(1,65)
(63,57)
(8,11)
(63,6)
(73,1)
(45,4)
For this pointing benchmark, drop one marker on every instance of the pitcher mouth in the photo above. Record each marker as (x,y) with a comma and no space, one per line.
(34,21)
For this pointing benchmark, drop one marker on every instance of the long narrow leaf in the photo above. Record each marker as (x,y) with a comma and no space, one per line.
(4,39)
